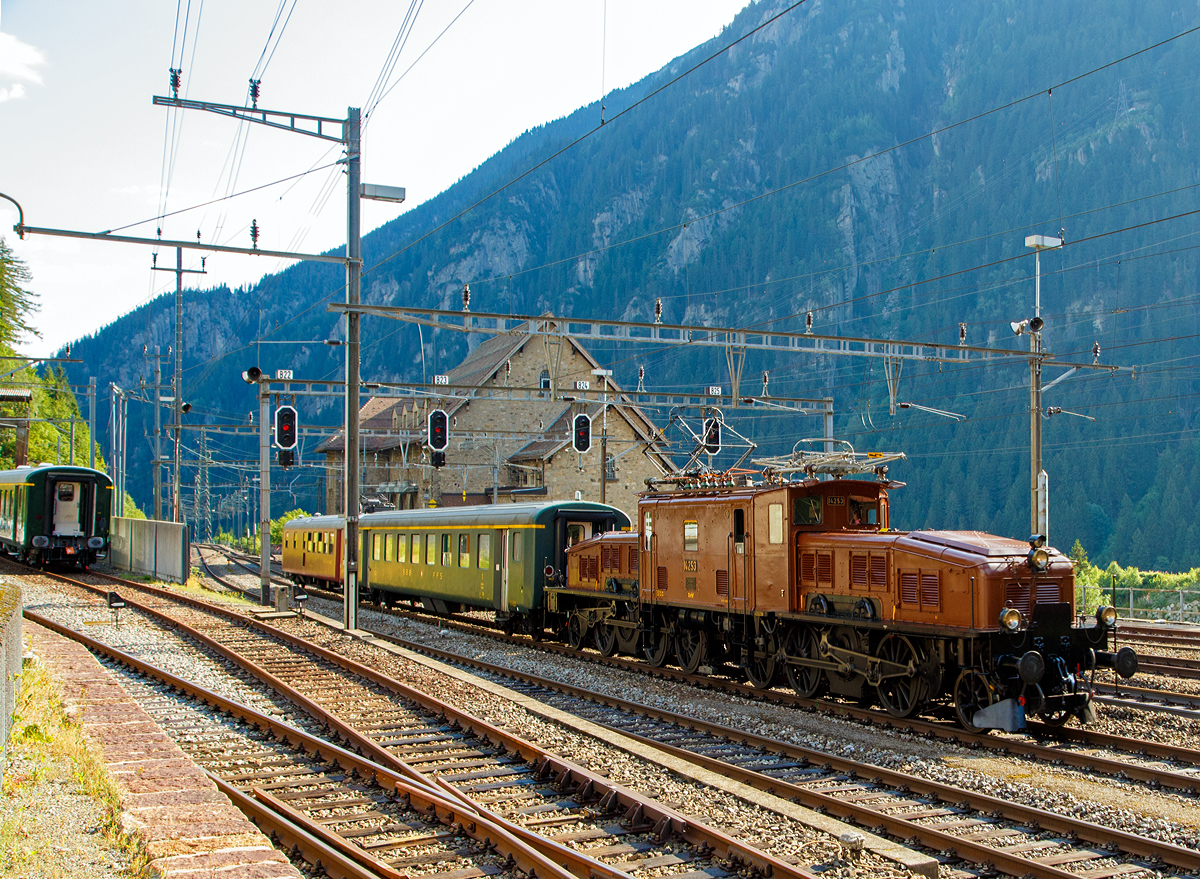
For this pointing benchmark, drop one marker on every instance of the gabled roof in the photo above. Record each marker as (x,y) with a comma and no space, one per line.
(481,366)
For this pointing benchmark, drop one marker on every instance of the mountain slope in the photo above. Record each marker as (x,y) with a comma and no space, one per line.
(797,172)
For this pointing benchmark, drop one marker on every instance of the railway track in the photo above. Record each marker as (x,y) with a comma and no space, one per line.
(822,780)
(559,809)
(349,816)
(947,730)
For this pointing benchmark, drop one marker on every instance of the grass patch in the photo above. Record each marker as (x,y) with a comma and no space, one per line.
(48,754)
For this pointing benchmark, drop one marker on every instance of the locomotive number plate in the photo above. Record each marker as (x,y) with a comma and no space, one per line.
(691,565)
(835,501)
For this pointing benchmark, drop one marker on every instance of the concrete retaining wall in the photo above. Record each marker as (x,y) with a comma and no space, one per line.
(146,546)
(11,651)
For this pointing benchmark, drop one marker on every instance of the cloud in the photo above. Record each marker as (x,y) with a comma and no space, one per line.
(17,62)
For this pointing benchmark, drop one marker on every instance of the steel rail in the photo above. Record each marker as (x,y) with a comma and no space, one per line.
(648,813)
(419,792)
(865,816)
(944,731)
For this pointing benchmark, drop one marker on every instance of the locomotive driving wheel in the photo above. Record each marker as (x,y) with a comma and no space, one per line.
(808,682)
(972,692)
(902,696)
(628,638)
(575,631)
(605,637)
(657,646)
(691,648)
(760,665)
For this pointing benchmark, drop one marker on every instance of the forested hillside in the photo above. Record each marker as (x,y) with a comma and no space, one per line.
(877,164)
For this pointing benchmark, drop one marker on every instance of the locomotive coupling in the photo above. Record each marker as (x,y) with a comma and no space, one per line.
(1124,661)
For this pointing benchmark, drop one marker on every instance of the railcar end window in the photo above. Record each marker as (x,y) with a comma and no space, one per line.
(389,547)
(447,555)
(518,539)
(431,549)
(691,536)
(464,550)
(775,523)
(807,511)
(402,548)
(485,552)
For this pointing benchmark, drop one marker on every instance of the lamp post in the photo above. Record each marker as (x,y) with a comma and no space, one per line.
(1039,482)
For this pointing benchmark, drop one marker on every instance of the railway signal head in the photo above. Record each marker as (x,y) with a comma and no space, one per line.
(581,433)
(712,436)
(252,375)
(439,459)
(287,457)
(285,427)
(439,430)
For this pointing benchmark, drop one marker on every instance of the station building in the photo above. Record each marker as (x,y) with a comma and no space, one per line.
(510,435)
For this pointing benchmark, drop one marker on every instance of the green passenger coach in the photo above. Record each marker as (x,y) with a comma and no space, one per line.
(55,514)
(497,557)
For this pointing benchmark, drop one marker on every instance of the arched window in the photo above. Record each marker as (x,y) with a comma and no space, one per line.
(544,380)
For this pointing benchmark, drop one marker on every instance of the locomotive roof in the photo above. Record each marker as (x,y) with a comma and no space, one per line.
(25,474)
(977,542)
(808,486)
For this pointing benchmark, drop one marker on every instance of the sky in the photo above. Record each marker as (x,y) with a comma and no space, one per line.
(83,148)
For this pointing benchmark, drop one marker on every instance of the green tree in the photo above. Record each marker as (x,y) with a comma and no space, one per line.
(17,304)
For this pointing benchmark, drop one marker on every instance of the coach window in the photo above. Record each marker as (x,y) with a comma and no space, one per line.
(775,523)
(375,545)
(447,555)
(518,540)
(401,547)
(691,536)
(416,549)
(389,544)
(464,550)
(431,549)
(485,552)
(647,528)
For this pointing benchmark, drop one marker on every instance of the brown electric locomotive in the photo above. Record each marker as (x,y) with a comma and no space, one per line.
(806,578)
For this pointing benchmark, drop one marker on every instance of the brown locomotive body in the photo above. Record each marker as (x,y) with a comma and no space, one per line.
(806,579)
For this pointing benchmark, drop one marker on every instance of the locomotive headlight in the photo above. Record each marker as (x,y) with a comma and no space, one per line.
(1039,558)
(1010,619)
(40,540)
(1106,615)
(95,542)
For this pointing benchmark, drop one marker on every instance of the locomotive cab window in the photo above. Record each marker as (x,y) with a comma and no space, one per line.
(862,511)
(739,530)
(648,528)
(807,511)
(691,536)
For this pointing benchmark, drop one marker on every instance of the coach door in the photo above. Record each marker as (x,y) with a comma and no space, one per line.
(502,565)
(739,549)
(67,496)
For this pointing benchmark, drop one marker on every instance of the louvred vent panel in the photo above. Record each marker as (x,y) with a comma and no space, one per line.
(722,582)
